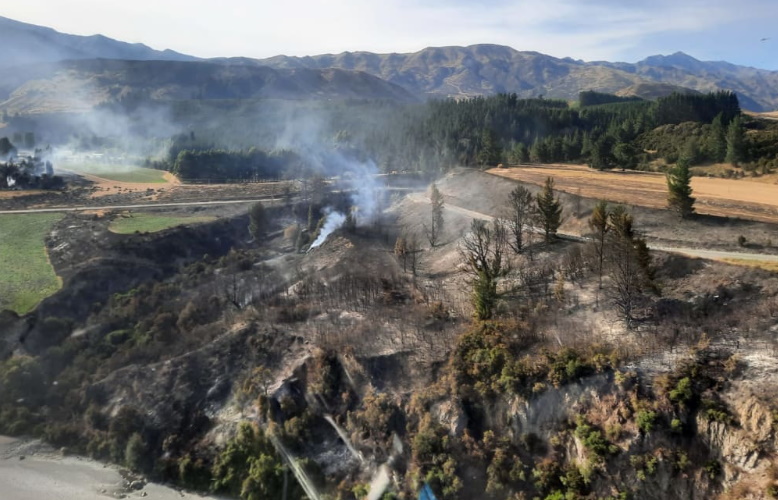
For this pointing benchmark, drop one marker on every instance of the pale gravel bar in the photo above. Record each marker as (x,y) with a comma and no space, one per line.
(44,474)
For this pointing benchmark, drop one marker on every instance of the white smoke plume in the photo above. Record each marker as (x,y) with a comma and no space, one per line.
(307,134)
(333,221)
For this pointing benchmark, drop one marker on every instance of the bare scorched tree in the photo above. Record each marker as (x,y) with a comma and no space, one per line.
(483,253)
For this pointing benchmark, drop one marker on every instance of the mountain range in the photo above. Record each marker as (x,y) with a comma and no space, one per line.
(42,67)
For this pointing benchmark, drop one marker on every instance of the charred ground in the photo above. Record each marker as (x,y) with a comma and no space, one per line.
(161,346)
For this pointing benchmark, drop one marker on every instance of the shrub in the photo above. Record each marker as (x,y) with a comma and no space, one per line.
(248,466)
(716,411)
(135,453)
(741,240)
(547,475)
(194,473)
(593,440)
(712,468)
(681,461)
(682,392)
(645,465)
(646,420)
(613,432)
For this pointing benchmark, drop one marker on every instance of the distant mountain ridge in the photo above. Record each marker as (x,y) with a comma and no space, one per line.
(432,72)
(25,44)
(487,69)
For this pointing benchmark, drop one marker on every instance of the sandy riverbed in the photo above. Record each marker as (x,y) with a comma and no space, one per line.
(31,470)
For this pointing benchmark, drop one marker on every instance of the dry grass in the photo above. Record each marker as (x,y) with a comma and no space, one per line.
(760,264)
(722,197)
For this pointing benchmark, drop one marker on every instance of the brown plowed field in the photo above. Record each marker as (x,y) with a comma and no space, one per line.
(723,197)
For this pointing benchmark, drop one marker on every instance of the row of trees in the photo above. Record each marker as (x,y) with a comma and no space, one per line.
(221,165)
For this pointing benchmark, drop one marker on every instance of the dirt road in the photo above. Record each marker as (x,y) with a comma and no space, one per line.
(141,206)
(689,252)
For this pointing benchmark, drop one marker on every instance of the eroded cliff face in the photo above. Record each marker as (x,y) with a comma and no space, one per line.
(640,434)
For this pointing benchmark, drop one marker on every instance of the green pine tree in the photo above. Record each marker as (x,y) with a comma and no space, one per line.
(736,146)
(679,189)
(257,220)
(717,140)
(549,210)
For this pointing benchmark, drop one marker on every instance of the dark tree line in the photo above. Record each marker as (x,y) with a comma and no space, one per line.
(604,132)
(221,165)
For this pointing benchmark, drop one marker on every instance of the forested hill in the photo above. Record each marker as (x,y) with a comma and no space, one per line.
(604,131)
(491,69)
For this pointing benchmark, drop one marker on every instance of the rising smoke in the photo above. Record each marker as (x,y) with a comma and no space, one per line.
(333,221)
(311,136)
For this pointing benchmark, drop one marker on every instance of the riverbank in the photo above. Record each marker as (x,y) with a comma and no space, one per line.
(32,470)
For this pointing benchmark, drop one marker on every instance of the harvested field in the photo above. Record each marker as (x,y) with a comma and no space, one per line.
(721,197)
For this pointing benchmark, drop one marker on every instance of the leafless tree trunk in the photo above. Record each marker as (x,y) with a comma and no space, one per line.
(520,214)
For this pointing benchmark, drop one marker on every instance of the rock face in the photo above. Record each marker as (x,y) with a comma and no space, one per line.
(746,445)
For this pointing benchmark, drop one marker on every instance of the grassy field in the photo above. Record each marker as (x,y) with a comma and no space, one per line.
(119,173)
(740,198)
(27,275)
(151,223)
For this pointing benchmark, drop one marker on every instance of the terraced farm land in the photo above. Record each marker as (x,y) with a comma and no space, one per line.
(722,197)
(27,275)
(152,223)
(118,173)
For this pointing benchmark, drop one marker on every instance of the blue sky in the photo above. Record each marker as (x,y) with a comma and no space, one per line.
(624,30)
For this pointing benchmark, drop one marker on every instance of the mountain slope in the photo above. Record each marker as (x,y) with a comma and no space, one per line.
(80,85)
(473,70)
(487,69)
(756,88)
(24,44)
(431,72)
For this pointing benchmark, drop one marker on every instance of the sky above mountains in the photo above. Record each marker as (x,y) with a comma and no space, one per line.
(741,32)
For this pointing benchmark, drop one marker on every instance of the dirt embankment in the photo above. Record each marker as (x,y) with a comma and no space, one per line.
(95,263)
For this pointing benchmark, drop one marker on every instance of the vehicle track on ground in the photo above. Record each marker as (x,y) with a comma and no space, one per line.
(137,206)
(689,252)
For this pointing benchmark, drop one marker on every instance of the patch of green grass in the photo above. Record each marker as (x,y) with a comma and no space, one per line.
(27,275)
(119,173)
(151,223)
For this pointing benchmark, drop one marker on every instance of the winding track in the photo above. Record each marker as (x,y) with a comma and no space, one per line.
(689,252)
(140,206)
(416,197)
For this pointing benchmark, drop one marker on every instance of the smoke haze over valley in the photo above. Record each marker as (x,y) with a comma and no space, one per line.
(315,260)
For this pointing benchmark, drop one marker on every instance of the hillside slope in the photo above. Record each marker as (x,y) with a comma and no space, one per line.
(80,85)
(30,44)
(473,70)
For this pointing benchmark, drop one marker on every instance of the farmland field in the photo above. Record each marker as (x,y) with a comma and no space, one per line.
(118,173)
(151,223)
(722,197)
(27,275)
